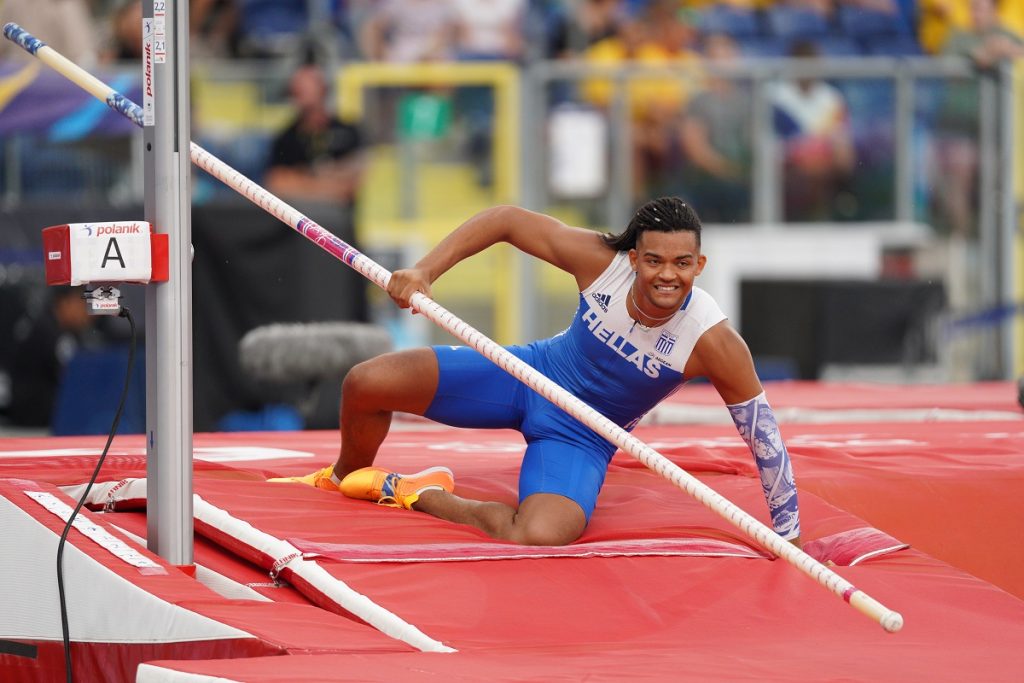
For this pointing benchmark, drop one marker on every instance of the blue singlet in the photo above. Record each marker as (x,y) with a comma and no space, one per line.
(614,365)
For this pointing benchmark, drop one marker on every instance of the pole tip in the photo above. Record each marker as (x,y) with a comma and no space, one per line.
(892,622)
(26,40)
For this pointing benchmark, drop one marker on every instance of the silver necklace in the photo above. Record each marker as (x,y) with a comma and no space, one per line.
(637,323)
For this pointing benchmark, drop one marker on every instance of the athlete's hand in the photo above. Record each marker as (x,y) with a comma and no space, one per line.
(404,283)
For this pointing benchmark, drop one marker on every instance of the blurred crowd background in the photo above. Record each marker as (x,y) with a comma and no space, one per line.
(96,31)
(856,162)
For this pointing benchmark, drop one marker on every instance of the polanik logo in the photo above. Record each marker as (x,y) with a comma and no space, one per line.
(666,342)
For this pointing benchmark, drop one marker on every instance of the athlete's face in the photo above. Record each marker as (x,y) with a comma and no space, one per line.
(666,264)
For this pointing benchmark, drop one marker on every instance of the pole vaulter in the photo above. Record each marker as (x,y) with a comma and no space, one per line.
(890,620)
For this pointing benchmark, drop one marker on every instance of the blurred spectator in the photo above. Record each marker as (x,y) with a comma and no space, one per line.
(409,31)
(716,139)
(125,43)
(659,38)
(883,6)
(43,345)
(986,43)
(823,8)
(65,25)
(350,16)
(937,18)
(486,30)
(213,28)
(588,22)
(317,157)
(489,29)
(732,4)
(812,119)
(1011,15)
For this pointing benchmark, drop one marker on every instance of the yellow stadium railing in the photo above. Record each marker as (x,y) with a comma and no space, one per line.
(1018,193)
(352,84)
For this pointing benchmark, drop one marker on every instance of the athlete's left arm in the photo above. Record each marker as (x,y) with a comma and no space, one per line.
(722,356)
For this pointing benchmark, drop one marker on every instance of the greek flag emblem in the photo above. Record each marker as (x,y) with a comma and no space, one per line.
(666,342)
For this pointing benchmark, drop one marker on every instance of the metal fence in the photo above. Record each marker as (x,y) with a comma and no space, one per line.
(897,109)
(896,120)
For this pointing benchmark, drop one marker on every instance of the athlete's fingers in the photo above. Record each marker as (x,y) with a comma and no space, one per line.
(399,286)
(405,283)
(412,289)
(403,297)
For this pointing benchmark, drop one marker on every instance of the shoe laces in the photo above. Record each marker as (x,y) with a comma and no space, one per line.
(389,491)
(325,473)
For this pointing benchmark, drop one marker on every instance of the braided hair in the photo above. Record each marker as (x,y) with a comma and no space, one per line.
(666,214)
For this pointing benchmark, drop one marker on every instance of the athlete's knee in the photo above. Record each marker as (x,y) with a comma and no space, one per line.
(544,533)
(360,379)
(549,526)
(404,380)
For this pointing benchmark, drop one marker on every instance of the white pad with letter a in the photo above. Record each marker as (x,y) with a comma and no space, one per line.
(110,252)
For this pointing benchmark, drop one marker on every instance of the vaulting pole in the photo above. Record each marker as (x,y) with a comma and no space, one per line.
(890,620)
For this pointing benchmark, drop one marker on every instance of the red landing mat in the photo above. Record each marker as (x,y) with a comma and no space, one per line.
(662,617)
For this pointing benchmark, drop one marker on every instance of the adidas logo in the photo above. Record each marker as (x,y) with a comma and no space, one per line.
(602,300)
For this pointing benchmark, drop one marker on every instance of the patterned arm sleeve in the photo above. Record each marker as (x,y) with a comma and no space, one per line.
(756,424)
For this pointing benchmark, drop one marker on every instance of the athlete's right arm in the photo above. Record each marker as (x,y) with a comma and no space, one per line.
(580,252)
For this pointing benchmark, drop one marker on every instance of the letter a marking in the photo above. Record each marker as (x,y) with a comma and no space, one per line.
(112,247)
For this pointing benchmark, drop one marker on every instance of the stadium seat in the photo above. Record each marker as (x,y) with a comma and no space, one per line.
(270,418)
(859,23)
(734,22)
(839,47)
(272,26)
(49,170)
(762,47)
(908,10)
(869,96)
(893,46)
(776,368)
(792,23)
(90,389)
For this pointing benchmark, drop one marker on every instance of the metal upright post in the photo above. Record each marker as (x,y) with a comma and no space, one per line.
(766,181)
(987,275)
(533,105)
(1008,216)
(168,305)
(620,197)
(904,145)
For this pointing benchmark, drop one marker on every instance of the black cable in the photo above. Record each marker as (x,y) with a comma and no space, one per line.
(125,313)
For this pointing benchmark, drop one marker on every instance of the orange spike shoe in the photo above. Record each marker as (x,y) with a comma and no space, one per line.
(393,489)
